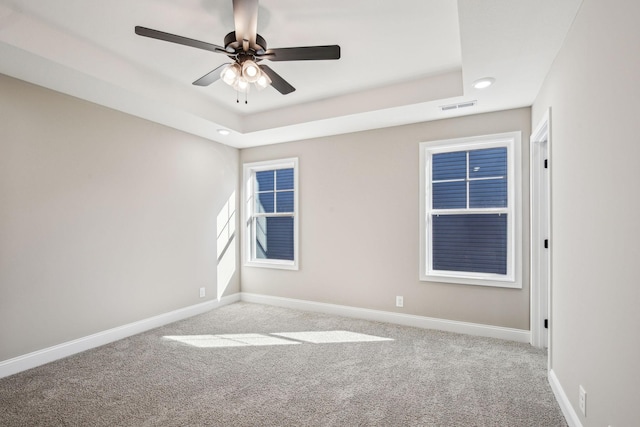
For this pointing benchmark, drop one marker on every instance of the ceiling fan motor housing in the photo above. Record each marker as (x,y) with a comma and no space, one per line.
(234,47)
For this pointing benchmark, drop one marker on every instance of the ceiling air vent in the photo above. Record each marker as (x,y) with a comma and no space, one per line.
(457,106)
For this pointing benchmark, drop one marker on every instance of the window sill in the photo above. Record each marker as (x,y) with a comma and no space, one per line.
(496,282)
(279,265)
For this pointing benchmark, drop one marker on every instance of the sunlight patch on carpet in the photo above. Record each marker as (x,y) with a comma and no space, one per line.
(326,337)
(282,338)
(229,340)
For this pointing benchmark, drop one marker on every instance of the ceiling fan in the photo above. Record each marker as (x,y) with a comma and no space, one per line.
(247,48)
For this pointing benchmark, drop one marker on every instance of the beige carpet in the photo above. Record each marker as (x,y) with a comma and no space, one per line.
(253,365)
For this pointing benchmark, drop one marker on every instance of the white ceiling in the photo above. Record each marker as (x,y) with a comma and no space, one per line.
(401,60)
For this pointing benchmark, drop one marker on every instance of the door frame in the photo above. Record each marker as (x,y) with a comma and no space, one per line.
(540,205)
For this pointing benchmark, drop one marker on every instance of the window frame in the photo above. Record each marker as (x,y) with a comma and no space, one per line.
(249,214)
(512,142)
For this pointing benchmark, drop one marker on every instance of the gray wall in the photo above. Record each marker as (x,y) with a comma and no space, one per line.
(105,219)
(593,90)
(359,224)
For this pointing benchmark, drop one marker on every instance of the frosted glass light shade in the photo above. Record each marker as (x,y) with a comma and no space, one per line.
(250,71)
(231,74)
(263,81)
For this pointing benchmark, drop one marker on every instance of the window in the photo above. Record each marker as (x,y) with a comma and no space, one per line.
(271,214)
(470,211)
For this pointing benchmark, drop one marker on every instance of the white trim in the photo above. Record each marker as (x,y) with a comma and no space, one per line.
(50,354)
(512,141)
(540,211)
(563,401)
(248,255)
(510,334)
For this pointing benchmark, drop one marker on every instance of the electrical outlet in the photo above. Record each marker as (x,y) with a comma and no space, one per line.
(399,301)
(203,292)
(582,401)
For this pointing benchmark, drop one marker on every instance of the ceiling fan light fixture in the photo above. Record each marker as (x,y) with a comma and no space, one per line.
(263,81)
(241,85)
(250,71)
(231,74)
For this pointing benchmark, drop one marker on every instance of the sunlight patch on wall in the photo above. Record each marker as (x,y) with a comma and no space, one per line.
(226,242)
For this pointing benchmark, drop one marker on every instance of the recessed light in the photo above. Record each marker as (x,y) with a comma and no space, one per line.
(224,132)
(484,82)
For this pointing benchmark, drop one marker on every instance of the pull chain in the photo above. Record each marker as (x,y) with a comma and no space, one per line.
(238,98)
(245,97)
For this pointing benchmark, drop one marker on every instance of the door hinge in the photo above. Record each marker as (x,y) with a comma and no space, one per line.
(546,323)
(546,243)
(546,163)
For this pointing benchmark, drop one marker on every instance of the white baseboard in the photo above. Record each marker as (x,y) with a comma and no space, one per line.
(50,354)
(567,409)
(510,334)
(40,357)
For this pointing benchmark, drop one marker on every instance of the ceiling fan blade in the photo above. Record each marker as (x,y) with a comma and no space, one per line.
(161,35)
(210,77)
(278,83)
(308,53)
(245,16)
